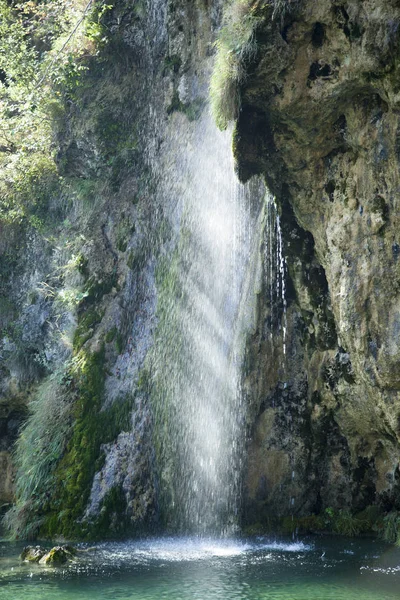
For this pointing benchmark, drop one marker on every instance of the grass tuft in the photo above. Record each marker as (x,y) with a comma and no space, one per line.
(39,448)
(236,47)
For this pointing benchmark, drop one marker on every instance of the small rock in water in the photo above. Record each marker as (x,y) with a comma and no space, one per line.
(56,556)
(32,553)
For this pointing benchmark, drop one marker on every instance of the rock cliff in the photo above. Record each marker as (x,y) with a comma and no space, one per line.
(319,119)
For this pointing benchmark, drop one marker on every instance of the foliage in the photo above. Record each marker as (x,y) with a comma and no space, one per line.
(342,522)
(345,523)
(59,449)
(308,524)
(92,428)
(391,528)
(39,448)
(281,7)
(236,47)
(43,50)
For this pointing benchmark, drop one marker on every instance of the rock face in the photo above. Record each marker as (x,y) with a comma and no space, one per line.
(320,119)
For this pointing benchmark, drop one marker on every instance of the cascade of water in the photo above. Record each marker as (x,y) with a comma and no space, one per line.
(205,279)
(197,359)
(275,272)
(281,283)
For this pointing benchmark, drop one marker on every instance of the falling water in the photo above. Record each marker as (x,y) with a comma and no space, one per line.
(200,416)
(275,272)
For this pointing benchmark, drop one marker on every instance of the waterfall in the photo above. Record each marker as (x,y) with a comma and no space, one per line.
(204,311)
(275,273)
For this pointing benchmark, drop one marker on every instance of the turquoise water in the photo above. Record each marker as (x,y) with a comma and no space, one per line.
(207,569)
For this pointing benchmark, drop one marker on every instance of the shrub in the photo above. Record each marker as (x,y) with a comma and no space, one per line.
(391,528)
(345,523)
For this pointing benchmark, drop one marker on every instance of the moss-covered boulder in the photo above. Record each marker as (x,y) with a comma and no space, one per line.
(32,553)
(58,555)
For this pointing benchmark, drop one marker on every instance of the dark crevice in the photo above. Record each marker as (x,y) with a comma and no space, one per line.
(352,30)
(319,69)
(318,35)
(330,189)
(340,126)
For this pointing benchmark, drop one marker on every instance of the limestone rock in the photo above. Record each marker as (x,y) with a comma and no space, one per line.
(322,125)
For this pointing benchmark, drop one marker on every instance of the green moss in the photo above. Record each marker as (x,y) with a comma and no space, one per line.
(110,335)
(136,259)
(112,519)
(119,342)
(175,104)
(85,329)
(269,525)
(144,380)
(84,189)
(172,63)
(192,110)
(92,428)
(122,245)
(95,288)
(113,335)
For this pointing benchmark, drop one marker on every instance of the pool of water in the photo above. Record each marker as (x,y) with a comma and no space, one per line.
(207,569)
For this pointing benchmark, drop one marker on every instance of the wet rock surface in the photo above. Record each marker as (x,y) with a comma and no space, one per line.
(320,120)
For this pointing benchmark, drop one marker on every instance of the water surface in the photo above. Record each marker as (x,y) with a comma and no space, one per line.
(208,569)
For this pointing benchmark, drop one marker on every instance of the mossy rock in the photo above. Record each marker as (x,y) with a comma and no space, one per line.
(83,456)
(58,555)
(32,554)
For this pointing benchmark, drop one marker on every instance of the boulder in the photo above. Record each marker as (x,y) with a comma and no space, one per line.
(56,556)
(32,553)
